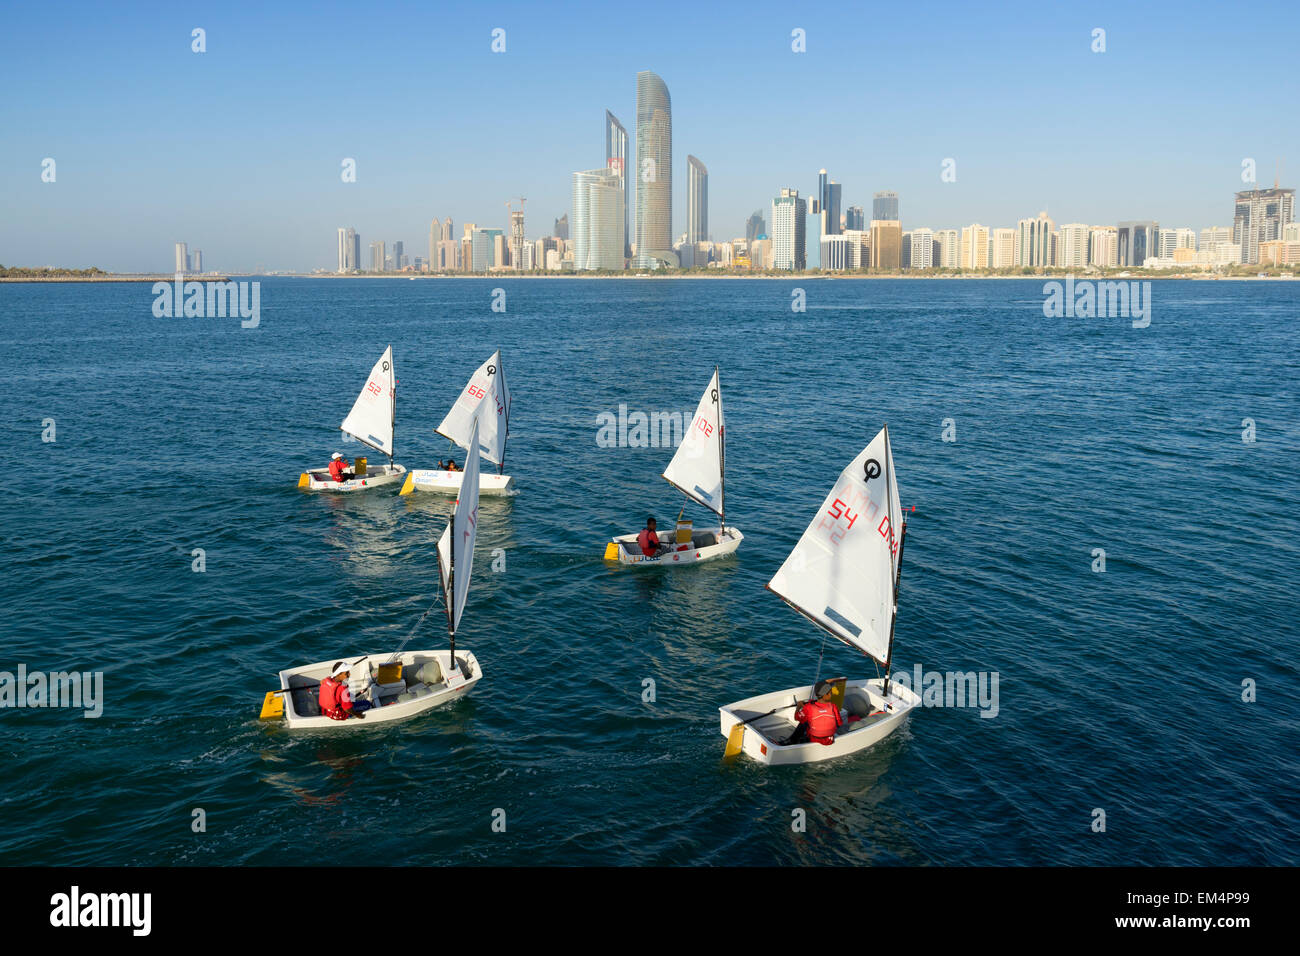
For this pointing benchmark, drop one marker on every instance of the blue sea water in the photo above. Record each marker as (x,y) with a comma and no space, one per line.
(1119,691)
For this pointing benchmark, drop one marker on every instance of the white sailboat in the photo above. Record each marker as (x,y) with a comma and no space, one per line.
(371,423)
(698,470)
(843,576)
(405,683)
(487,390)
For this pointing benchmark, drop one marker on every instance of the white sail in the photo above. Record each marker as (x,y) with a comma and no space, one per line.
(697,468)
(843,572)
(371,418)
(487,387)
(456,546)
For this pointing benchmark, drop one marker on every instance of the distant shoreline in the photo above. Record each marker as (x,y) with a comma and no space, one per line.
(802,276)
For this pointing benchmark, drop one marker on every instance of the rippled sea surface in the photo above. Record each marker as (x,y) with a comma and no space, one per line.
(1118,691)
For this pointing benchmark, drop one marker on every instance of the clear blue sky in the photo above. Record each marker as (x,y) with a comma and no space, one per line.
(238,150)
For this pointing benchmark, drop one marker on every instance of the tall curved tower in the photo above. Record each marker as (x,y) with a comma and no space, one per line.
(653,173)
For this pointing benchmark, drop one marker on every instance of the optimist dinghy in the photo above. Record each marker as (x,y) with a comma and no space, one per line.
(697,470)
(842,576)
(403,683)
(487,390)
(371,423)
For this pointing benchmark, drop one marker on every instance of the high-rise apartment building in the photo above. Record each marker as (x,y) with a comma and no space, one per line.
(1034,241)
(949,244)
(921,255)
(1073,250)
(1259,216)
(598,208)
(1103,247)
(974,246)
(377,257)
(1002,248)
(788,231)
(654,173)
(697,201)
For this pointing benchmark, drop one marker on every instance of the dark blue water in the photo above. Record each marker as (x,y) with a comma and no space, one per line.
(1119,691)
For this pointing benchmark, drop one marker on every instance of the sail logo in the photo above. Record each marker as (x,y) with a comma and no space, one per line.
(637,429)
(64,689)
(977,689)
(219,300)
(76,909)
(1088,299)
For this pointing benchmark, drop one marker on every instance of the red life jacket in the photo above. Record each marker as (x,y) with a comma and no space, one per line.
(331,699)
(649,542)
(336,469)
(823,719)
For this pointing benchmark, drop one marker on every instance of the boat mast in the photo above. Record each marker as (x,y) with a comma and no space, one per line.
(501,377)
(449,598)
(902,539)
(392,414)
(722,455)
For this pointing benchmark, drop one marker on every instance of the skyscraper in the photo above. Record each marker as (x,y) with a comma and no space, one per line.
(377,256)
(654,173)
(598,207)
(1002,248)
(855,218)
(1034,241)
(884,205)
(485,247)
(397,255)
(788,231)
(343,250)
(1259,216)
(886,244)
(196,260)
(435,237)
(1074,250)
(562,227)
(974,246)
(922,252)
(828,200)
(354,243)
(697,201)
(616,162)
(1136,242)
(183,257)
(755,226)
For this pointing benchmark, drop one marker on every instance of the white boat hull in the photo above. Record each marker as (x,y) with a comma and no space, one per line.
(705,545)
(762,738)
(302,707)
(375,476)
(448,482)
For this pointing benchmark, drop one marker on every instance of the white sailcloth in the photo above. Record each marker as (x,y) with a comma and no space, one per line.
(697,468)
(456,546)
(842,573)
(487,387)
(371,418)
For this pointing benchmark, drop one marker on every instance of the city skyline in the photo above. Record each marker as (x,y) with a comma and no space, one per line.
(263,190)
